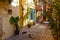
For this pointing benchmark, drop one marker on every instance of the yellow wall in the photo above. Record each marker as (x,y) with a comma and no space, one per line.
(22,20)
(24,2)
(21,13)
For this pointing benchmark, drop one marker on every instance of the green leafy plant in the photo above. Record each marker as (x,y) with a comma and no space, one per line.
(53,15)
(14,21)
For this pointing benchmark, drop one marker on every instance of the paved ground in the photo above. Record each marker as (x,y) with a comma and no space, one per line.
(38,32)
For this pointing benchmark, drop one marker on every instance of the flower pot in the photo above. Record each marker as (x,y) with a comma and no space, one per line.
(17,32)
(29,25)
(34,23)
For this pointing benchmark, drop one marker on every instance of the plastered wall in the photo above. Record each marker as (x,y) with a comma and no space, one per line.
(7,28)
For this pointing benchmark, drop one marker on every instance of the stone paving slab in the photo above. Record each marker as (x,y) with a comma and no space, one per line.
(38,32)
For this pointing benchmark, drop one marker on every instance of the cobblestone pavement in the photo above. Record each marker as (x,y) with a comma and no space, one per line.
(38,32)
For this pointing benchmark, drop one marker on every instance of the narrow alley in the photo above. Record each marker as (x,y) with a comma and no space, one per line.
(38,32)
(29,20)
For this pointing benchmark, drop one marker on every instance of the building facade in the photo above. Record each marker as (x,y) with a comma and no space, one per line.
(6,29)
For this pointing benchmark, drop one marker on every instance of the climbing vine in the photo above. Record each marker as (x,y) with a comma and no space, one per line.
(53,15)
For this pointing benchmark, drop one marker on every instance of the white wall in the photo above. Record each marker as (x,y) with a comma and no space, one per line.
(7,28)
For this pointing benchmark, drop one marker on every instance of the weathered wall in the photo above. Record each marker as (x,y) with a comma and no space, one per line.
(8,30)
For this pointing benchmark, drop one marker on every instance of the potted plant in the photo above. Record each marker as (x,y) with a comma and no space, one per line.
(29,25)
(14,21)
